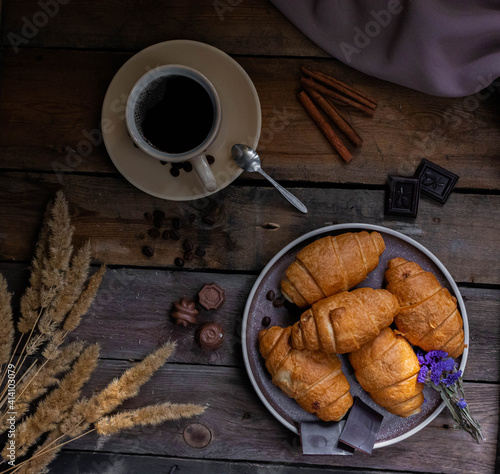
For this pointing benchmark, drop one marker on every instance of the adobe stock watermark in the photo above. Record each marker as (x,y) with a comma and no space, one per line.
(92,138)
(363,37)
(32,26)
(11,415)
(222,7)
(424,144)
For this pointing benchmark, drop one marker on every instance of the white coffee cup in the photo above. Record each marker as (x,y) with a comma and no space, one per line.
(195,155)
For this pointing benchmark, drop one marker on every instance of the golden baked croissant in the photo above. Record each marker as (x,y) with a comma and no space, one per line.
(315,380)
(345,321)
(429,317)
(331,265)
(387,368)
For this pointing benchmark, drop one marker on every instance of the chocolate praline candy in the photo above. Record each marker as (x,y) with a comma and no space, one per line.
(435,181)
(184,312)
(212,296)
(210,336)
(402,196)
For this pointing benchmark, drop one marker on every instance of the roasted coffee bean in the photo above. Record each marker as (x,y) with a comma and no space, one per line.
(279,302)
(163,162)
(174,235)
(266,321)
(210,159)
(176,223)
(188,255)
(188,167)
(271,295)
(148,251)
(209,220)
(192,217)
(177,166)
(165,234)
(187,245)
(154,233)
(179,262)
(174,172)
(157,214)
(149,217)
(200,251)
(158,223)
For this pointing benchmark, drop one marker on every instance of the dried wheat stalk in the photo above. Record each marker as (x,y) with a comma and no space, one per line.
(6,323)
(53,408)
(148,415)
(53,305)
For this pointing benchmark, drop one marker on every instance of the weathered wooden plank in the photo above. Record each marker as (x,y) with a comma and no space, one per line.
(241,27)
(78,462)
(110,212)
(55,98)
(130,316)
(242,429)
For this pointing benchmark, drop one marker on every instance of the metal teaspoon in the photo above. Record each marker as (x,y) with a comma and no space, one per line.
(248,159)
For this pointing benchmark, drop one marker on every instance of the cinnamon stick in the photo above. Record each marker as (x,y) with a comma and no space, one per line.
(332,112)
(349,91)
(324,126)
(309,83)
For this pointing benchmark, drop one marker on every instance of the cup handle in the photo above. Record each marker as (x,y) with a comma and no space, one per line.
(200,164)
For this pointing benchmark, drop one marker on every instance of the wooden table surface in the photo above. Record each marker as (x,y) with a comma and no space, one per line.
(52,87)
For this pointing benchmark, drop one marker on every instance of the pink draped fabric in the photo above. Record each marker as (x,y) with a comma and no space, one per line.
(441,47)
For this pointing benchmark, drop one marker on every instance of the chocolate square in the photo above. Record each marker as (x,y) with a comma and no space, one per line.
(321,437)
(362,427)
(402,196)
(435,181)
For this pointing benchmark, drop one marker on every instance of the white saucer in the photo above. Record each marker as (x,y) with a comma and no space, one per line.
(241,119)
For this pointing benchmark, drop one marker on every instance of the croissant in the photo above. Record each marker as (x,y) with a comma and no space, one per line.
(387,368)
(345,321)
(429,317)
(331,265)
(315,380)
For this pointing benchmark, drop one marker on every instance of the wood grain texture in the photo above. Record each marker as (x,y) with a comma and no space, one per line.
(243,430)
(55,98)
(131,315)
(110,212)
(240,27)
(99,463)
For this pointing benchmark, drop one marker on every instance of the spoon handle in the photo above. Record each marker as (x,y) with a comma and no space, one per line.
(287,194)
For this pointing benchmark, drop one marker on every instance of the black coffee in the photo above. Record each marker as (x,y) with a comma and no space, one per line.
(174,114)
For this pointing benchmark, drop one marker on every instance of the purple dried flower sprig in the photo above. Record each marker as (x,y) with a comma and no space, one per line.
(441,373)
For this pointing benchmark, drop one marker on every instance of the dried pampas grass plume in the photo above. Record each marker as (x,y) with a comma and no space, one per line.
(50,410)
(6,323)
(53,408)
(149,415)
(128,385)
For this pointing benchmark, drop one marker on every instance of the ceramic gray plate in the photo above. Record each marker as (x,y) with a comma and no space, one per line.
(285,409)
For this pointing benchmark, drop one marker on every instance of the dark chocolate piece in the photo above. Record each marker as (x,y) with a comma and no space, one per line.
(362,426)
(212,296)
(435,181)
(184,312)
(321,437)
(210,336)
(402,196)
